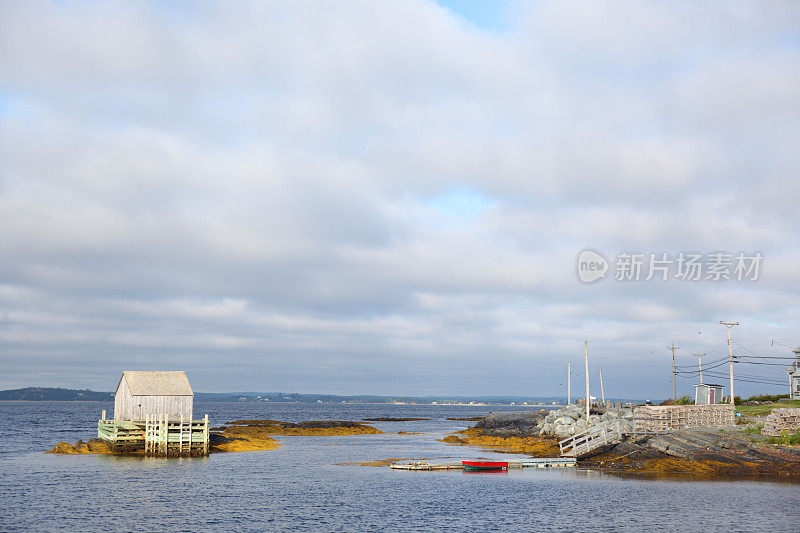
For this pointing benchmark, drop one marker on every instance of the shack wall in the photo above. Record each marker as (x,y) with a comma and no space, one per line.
(123,402)
(702,395)
(172,406)
(130,407)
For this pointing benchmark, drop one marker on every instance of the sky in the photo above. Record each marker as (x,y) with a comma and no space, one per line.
(391,197)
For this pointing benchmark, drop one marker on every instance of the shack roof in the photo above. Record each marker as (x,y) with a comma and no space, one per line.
(157,383)
(710,385)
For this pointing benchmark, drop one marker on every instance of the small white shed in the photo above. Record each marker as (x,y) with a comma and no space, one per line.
(142,393)
(708,394)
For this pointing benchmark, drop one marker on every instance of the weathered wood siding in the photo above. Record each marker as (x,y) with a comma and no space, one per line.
(130,407)
(123,402)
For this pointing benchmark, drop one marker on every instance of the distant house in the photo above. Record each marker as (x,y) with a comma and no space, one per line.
(153,393)
(707,394)
(794,376)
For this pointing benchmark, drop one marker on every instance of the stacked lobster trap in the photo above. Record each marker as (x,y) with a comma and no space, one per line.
(780,421)
(660,418)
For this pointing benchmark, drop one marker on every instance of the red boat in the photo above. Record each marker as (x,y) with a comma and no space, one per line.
(484,466)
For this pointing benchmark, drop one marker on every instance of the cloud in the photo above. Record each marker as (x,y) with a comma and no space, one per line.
(386,199)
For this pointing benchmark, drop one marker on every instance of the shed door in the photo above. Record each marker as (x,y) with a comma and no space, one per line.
(711,396)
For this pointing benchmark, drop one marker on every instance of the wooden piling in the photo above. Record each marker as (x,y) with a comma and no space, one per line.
(205,435)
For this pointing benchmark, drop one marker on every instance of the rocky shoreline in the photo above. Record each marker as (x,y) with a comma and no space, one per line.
(707,451)
(237,436)
(699,451)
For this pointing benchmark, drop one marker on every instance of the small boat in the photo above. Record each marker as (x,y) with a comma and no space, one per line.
(484,466)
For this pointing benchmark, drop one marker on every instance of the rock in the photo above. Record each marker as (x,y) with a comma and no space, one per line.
(63,447)
(568,420)
(562,432)
(523,424)
(565,420)
(99,446)
(706,451)
(80,447)
(694,444)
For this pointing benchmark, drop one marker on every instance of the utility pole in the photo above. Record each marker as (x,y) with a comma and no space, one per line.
(569,382)
(730,353)
(586,355)
(674,389)
(602,390)
(700,363)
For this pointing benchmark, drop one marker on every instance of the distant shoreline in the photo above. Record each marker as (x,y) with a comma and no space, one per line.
(37,394)
(313,403)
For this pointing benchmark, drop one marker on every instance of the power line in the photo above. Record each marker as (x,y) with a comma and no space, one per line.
(752,376)
(753,380)
(765,357)
(715,361)
(767,380)
(646,338)
(748,376)
(760,363)
(722,363)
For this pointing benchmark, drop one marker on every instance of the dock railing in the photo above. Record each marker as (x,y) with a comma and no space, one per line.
(594,437)
(157,434)
(648,420)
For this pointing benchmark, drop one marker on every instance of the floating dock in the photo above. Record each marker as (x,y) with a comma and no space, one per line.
(541,462)
(157,435)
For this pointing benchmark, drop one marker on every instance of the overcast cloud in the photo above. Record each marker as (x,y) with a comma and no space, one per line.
(389,197)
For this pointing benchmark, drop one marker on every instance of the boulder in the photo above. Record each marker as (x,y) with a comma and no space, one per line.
(565,421)
(571,419)
(63,447)
(562,432)
(522,424)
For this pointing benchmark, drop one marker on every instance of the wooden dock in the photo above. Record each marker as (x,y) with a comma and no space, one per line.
(586,441)
(542,462)
(157,435)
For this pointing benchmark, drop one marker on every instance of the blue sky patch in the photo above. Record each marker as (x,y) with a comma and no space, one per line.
(489,16)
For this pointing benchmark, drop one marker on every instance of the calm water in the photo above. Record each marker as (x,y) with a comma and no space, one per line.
(300,487)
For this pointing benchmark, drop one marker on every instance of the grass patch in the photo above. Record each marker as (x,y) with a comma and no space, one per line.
(761,410)
(753,429)
(683,400)
(786,439)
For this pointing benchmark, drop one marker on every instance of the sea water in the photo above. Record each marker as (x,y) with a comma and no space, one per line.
(303,485)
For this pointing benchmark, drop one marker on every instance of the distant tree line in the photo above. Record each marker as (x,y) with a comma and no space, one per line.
(38,394)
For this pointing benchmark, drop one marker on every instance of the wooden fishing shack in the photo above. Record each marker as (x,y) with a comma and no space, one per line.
(153,411)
